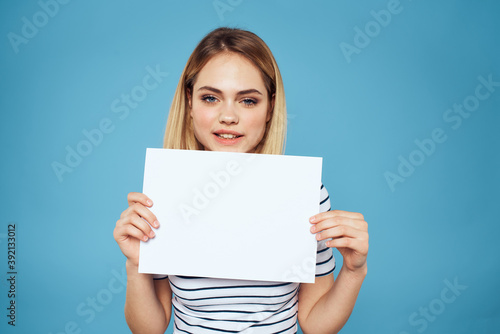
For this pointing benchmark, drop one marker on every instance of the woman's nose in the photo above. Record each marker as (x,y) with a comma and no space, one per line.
(228,114)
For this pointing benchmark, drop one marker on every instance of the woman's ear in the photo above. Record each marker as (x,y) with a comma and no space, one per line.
(188,95)
(271,108)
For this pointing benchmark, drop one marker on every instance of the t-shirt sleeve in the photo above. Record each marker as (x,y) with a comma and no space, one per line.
(325,262)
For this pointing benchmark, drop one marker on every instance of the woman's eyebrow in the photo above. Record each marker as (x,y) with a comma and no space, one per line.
(218,91)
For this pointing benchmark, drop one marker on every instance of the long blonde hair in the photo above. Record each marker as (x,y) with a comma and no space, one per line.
(179,133)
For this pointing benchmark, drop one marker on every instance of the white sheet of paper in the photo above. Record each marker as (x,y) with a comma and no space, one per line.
(231,215)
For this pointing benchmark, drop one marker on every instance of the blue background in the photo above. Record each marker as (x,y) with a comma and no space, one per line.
(360,113)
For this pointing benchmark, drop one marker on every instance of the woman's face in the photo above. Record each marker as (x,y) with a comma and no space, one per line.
(229,104)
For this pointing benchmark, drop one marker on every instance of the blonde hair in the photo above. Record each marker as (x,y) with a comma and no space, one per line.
(179,133)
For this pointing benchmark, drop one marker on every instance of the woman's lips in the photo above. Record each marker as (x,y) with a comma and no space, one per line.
(230,138)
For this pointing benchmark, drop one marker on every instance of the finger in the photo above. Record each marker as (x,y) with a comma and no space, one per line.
(335,213)
(136,221)
(342,231)
(146,214)
(140,210)
(359,246)
(135,197)
(133,231)
(142,225)
(339,221)
(126,231)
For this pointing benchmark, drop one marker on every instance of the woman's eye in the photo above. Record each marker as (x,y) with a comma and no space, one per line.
(249,102)
(209,99)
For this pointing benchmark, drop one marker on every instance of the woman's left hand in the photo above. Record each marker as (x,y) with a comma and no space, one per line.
(349,233)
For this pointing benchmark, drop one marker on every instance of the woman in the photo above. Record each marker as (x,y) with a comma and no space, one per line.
(230,97)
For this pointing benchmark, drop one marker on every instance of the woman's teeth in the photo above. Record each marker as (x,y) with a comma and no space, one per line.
(226,136)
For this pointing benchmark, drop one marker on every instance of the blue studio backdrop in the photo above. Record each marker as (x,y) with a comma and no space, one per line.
(400,98)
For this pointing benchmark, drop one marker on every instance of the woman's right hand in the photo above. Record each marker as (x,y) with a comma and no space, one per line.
(134,225)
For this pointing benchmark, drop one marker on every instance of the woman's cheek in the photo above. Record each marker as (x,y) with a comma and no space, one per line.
(257,122)
(204,118)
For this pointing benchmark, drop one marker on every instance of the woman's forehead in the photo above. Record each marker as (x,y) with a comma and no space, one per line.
(230,71)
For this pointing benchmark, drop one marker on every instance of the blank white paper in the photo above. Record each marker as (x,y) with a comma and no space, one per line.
(231,215)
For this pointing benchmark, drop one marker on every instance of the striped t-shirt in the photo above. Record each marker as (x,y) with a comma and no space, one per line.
(211,305)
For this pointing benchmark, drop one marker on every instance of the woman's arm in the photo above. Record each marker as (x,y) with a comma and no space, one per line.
(325,306)
(148,302)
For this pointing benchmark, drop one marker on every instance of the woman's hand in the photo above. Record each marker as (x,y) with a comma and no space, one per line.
(349,233)
(135,225)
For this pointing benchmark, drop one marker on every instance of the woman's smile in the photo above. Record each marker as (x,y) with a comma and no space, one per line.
(228,137)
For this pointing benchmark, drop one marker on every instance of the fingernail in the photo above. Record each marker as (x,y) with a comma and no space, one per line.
(149,202)
(145,238)
(312,219)
(151,234)
(313,229)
